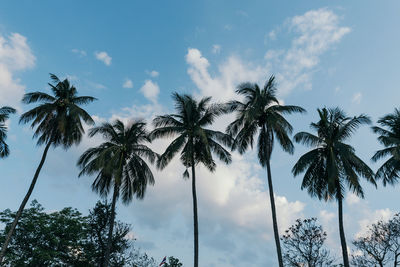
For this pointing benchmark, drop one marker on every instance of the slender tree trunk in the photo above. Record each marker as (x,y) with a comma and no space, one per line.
(274,220)
(195,219)
(24,201)
(341,232)
(111,228)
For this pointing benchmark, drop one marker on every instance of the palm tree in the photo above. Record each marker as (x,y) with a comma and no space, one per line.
(4,114)
(332,165)
(390,138)
(119,165)
(195,142)
(58,122)
(261,114)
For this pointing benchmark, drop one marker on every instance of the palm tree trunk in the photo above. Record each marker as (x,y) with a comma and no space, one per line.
(195,219)
(274,220)
(341,232)
(111,227)
(24,201)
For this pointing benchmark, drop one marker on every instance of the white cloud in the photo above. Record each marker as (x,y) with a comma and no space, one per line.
(81,53)
(352,199)
(356,98)
(272,35)
(216,49)
(228,27)
(150,90)
(127,84)
(104,57)
(153,73)
(15,55)
(372,217)
(316,32)
(231,73)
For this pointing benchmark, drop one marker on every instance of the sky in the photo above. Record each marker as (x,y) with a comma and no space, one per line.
(132,55)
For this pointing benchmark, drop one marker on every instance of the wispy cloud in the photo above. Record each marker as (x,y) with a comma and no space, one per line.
(216,49)
(81,53)
(153,73)
(104,57)
(127,83)
(356,98)
(316,32)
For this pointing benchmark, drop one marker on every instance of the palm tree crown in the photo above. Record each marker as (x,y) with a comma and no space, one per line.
(195,142)
(390,138)
(119,160)
(261,113)
(332,164)
(4,115)
(192,137)
(57,118)
(119,165)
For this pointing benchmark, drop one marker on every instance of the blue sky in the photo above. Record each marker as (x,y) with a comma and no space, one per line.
(134,54)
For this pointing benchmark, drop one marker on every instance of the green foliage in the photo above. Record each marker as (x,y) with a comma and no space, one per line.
(65,238)
(332,165)
(119,161)
(389,137)
(173,262)
(262,114)
(4,115)
(58,117)
(195,142)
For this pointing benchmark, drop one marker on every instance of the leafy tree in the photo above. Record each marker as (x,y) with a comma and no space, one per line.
(261,114)
(303,245)
(140,259)
(390,138)
(332,165)
(119,165)
(195,142)
(58,122)
(98,225)
(4,115)
(173,262)
(45,239)
(66,238)
(381,246)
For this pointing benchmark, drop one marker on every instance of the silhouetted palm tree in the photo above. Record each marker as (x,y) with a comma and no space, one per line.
(390,138)
(195,142)
(4,115)
(58,122)
(262,114)
(119,165)
(332,165)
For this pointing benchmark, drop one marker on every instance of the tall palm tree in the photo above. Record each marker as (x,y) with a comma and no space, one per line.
(58,122)
(4,114)
(332,164)
(261,114)
(390,138)
(195,142)
(119,165)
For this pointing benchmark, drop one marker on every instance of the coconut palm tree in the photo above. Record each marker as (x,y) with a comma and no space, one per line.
(4,114)
(332,164)
(119,165)
(261,114)
(57,120)
(390,138)
(194,142)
